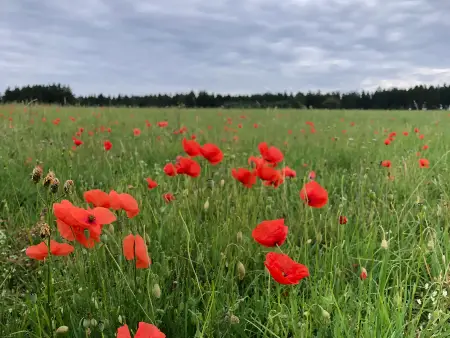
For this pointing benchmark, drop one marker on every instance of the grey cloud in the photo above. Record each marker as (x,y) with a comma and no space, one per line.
(230,46)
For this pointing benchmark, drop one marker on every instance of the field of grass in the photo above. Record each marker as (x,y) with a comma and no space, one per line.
(382,273)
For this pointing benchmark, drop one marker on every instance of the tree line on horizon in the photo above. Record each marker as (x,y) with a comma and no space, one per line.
(418,97)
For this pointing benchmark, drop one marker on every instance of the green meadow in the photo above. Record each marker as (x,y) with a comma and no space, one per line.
(384,273)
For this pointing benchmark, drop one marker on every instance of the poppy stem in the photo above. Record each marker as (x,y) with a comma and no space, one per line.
(49,280)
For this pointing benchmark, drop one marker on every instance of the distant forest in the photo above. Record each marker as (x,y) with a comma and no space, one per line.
(418,97)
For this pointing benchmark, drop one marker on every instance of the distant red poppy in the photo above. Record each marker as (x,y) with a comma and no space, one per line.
(191,147)
(285,270)
(386,164)
(405,133)
(151,184)
(245,176)
(134,248)
(40,251)
(163,124)
(107,145)
(77,142)
(144,331)
(170,169)
(424,163)
(314,194)
(425,147)
(125,202)
(270,233)
(136,131)
(288,172)
(312,175)
(212,153)
(387,141)
(168,197)
(343,220)
(416,130)
(421,136)
(255,125)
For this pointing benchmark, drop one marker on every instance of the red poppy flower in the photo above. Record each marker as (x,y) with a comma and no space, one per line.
(125,202)
(257,161)
(285,270)
(211,153)
(163,124)
(425,147)
(405,133)
(424,163)
(343,220)
(188,166)
(151,184)
(245,176)
(107,145)
(191,147)
(134,248)
(312,175)
(40,251)
(288,172)
(170,169)
(270,233)
(271,154)
(416,130)
(363,274)
(77,142)
(168,197)
(387,141)
(422,136)
(255,125)
(144,331)
(314,194)
(136,131)
(386,164)
(98,198)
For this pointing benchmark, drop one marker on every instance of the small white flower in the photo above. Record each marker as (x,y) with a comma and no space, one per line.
(419,301)
(444,293)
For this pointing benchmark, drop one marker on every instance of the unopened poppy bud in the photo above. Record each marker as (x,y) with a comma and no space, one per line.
(363,274)
(36,175)
(33,298)
(234,320)
(94,322)
(239,237)
(104,238)
(156,291)
(206,205)
(325,314)
(86,323)
(62,329)
(241,270)
(222,183)
(120,319)
(111,229)
(54,185)
(384,244)
(68,186)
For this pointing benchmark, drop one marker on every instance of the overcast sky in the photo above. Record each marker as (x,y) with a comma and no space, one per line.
(227,46)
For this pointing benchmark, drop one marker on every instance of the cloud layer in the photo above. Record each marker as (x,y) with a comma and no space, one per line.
(227,46)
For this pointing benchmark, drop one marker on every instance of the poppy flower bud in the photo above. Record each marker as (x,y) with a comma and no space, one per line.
(363,274)
(36,175)
(54,185)
(222,183)
(234,320)
(94,322)
(111,229)
(239,237)
(384,244)
(62,329)
(241,270)
(325,314)
(156,291)
(68,186)
(86,323)
(206,205)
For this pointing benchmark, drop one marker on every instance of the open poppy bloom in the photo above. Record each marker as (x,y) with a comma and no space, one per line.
(270,233)
(73,222)
(107,145)
(77,142)
(191,147)
(136,131)
(424,163)
(134,248)
(212,153)
(386,164)
(188,166)
(151,184)
(170,169)
(168,197)
(288,172)
(125,202)
(257,161)
(343,220)
(162,124)
(245,176)
(314,194)
(285,270)
(97,197)
(271,154)
(40,251)
(144,331)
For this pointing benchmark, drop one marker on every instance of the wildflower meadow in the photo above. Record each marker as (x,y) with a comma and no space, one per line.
(223,223)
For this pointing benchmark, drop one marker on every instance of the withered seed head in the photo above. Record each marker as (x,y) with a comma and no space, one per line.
(44,230)
(49,178)
(54,185)
(68,186)
(36,175)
